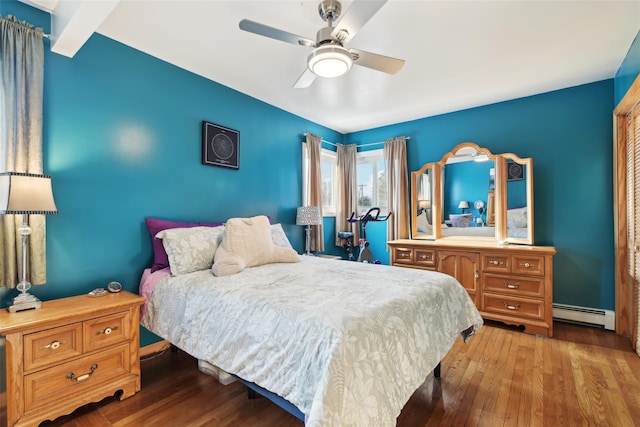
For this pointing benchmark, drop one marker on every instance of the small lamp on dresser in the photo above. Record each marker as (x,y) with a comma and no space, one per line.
(463,205)
(308,216)
(25,194)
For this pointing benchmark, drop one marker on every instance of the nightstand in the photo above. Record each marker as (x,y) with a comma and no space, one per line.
(68,353)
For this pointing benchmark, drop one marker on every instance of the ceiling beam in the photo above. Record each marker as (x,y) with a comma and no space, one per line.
(73,22)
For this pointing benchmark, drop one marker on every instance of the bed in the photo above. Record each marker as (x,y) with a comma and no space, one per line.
(344,343)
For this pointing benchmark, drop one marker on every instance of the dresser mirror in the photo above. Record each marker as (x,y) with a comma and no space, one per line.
(518,199)
(471,194)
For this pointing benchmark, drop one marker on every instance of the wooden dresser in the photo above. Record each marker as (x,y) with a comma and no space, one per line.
(68,353)
(511,284)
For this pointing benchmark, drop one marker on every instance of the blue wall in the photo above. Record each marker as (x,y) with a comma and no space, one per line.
(122,141)
(568,133)
(628,71)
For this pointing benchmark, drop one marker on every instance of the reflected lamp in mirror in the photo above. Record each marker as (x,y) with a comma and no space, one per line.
(25,194)
(308,216)
(463,205)
(423,205)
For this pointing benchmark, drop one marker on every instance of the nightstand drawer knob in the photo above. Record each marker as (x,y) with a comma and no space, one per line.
(82,377)
(511,307)
(107,331)
(53,346)
(511,286)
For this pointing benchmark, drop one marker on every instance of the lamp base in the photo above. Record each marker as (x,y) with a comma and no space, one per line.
(25,301)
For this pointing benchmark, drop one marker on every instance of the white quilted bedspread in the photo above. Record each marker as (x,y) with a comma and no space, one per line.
(347,343)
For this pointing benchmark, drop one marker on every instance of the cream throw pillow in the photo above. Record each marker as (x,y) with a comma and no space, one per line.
(247,242)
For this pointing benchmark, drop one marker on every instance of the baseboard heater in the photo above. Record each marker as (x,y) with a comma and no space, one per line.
(585,315)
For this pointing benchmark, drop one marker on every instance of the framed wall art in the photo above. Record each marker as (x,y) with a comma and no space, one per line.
(220,146)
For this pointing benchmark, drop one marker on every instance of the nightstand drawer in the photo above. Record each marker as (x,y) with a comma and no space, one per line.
(53,345)
(75,377)
(515,285)
(105,331)
(513,306)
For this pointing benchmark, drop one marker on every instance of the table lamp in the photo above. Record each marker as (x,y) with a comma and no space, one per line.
(308,216)
(463,205)
(25,194)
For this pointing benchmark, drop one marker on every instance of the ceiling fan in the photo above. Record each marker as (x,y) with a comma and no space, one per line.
(329,57)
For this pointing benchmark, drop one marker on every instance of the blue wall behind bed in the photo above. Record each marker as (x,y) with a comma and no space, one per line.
(122,141)
(568,133)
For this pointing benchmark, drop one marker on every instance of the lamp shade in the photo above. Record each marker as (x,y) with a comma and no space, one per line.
(424,204)
(308,215)
(25,193)
(463,204)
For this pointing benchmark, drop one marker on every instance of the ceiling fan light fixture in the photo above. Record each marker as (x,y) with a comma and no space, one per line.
(330,61)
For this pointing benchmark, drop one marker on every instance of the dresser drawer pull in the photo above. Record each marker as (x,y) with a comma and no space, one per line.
(82,377)
(526,265)
(423,256)
(404,255)
(511,307)
(510,286)
(496,262)
(107,331)
(53,346)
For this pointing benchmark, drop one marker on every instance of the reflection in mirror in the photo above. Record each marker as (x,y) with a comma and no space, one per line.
(467,183)
(519,199)
(424,191)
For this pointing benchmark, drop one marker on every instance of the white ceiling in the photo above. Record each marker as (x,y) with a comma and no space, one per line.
(459,54)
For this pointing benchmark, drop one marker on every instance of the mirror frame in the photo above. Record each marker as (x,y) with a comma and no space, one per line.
(528,176)
(500,194)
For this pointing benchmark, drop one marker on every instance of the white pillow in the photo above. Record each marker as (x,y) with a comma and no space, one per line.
(279,236)
(190,249)
(247,242)
(517,218)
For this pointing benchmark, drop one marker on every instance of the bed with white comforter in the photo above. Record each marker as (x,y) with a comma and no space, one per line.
(347,343)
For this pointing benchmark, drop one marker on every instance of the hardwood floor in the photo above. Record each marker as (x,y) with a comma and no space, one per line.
(581,377)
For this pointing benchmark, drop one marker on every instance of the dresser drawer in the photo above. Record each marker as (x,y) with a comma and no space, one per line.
(105,331)
(425,257)
(513,306)
(514,285)
(75,377)
(52,345)
(496,262)
(403,255)
(528,264)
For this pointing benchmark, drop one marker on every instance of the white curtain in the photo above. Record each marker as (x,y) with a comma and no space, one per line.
(347,197)
(314,190)
(21,89)
(395,157)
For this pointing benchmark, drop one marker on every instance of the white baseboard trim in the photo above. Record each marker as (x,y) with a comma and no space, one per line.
(591,316)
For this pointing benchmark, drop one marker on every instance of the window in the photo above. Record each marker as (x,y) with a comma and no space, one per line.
(328,167)
(372,181)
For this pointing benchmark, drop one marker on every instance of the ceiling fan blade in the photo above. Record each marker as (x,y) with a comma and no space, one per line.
(305,79)
(386,64)
(355,18)
(274,33)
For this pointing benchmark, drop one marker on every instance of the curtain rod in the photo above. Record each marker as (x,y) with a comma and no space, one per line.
(361,145)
